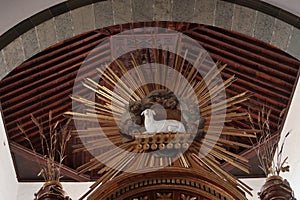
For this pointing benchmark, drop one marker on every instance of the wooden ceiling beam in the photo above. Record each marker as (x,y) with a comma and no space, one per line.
(38,95)
(43,99)
(56,100)
(55,65)
(260,75)
(257,86)
(258,104)
(51,89)
(289,64)
(248,72)
(29,126)
(43,60)
(253,65)
(55,75)
(275,89)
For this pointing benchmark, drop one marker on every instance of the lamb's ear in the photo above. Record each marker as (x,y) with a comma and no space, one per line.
(153,112)
(143,112)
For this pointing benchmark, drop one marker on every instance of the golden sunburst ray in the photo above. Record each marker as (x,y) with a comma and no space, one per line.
(116,151)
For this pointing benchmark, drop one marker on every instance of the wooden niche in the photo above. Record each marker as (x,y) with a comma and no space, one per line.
(170,183)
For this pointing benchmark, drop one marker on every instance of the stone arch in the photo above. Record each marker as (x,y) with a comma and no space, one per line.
(63,21)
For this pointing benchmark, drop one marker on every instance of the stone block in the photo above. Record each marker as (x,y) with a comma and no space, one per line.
(64,26)
(14,54)
(294,44)
(122,10)
(183,11)
(30,43)
(205,12)
(243,20)
(281,34)
(103,14)
(162,10)
(224,14)
(3,67)
(142,10)
(264,27)
(83,19)
(46,34)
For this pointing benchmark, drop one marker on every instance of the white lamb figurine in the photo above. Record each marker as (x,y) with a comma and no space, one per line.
(153,126)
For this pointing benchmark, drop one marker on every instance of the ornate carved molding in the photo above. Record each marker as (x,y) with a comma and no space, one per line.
(170,183)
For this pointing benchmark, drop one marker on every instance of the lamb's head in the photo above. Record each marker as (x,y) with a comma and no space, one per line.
(148,113)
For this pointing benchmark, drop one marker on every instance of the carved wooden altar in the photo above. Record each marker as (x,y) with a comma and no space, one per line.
(171,183)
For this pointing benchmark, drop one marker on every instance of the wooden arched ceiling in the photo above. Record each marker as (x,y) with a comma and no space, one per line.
(45,82)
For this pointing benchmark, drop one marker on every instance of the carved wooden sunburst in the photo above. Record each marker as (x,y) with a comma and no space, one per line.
(123,83)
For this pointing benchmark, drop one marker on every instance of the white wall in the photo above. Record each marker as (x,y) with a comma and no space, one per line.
(255,184)
(293,6)
(8,180)
(14,11)
(290,149)
(292,144)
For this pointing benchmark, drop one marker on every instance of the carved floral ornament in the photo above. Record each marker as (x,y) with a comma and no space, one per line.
(167,196)
(158,109)
(179,182)
(164,196)
(187,197)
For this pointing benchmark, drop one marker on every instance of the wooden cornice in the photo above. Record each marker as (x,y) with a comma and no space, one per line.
(30,155)
(251,153)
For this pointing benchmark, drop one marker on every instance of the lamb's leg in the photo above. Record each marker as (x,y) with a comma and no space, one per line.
(173,128)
